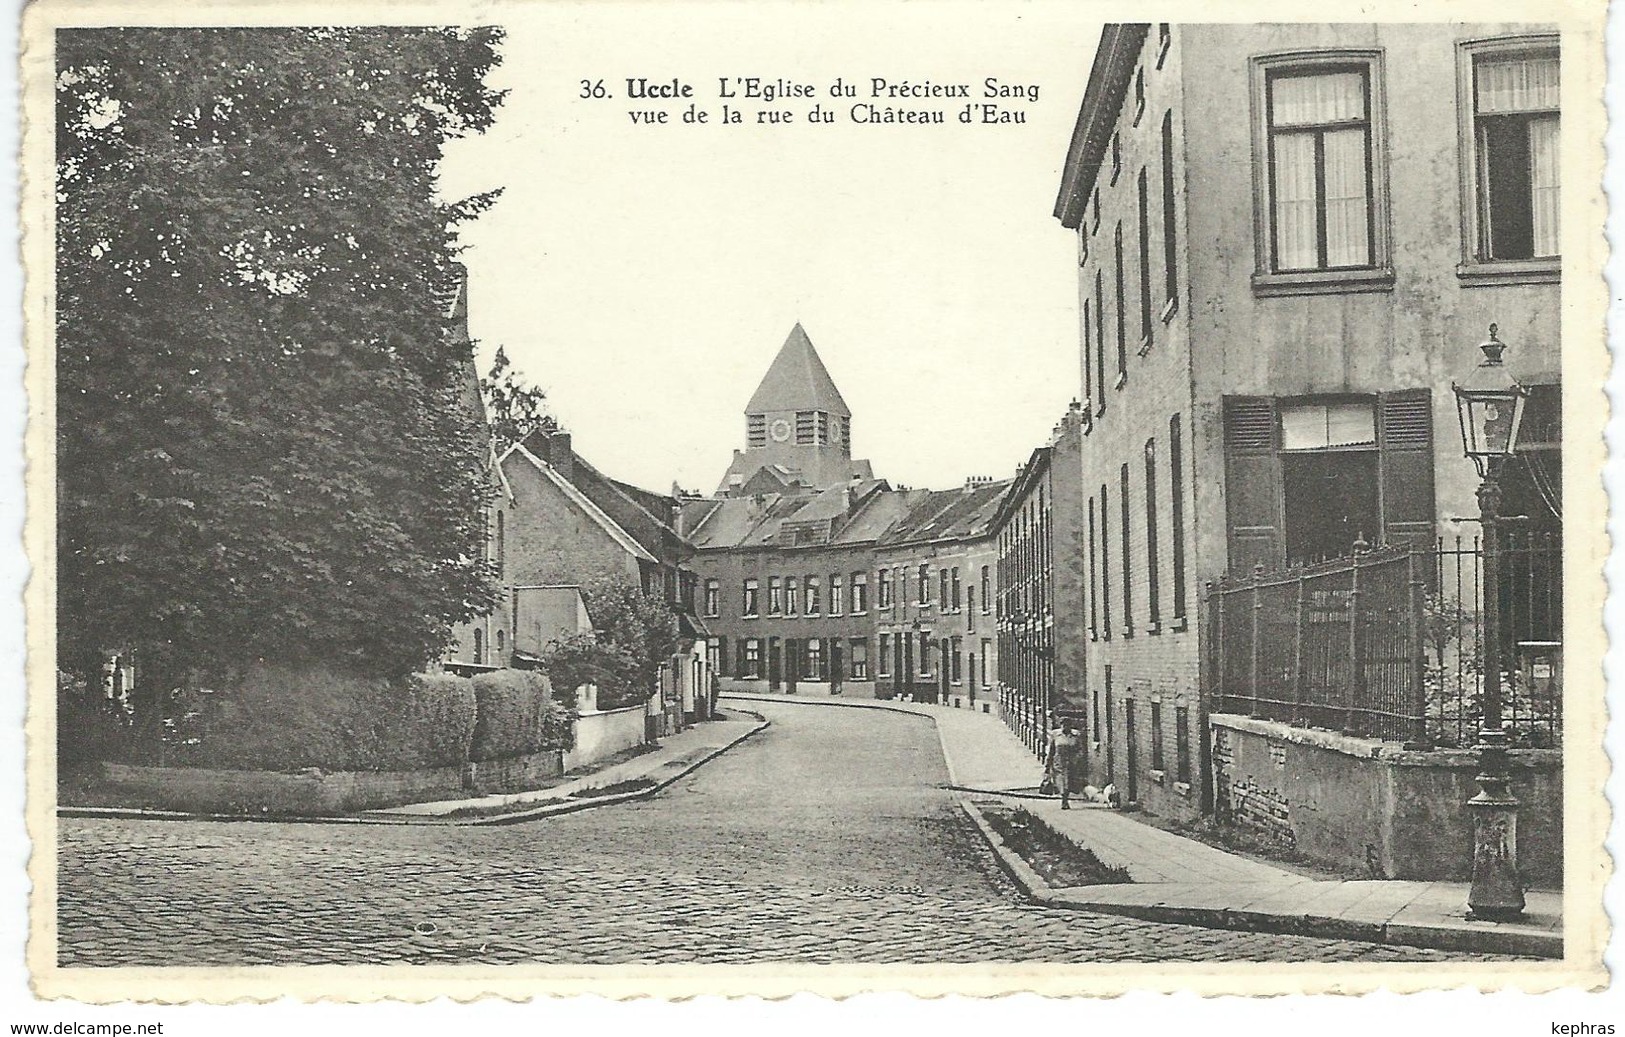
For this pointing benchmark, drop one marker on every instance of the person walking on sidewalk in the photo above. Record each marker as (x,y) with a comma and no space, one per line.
(1061,747)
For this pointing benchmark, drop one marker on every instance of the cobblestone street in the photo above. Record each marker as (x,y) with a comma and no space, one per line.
(823,839)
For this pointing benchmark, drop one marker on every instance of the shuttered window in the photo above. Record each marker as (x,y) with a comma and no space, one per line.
(1259,431)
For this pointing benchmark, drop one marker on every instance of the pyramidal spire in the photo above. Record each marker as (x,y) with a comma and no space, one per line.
(797,380)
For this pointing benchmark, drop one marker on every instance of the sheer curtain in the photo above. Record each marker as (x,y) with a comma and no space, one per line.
(1543,152)
(1527,85)
(1347,228)
(1310,108)
(1295,244)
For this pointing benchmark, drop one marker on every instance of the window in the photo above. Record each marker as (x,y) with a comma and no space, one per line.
(753,658)
(954,581)
(814,603)
(1117,155)
(987,590)
(956,657)
(942,588)
(713,598)
(1095,205)
(1176,506)
(775,596)
(970,607)
(812,428)
(1165,39)
(1307,477)
(792,603)
(837,594)
(814,660)
(1156,735)
(750,603)
(502,543)
(1145,265)
(883,664)
(1083,245)
(714,653)
(479,645)
(1319,154)
(1153,589)
(925,585)
(885,588)
(1170,247)
(1122,333)
(925,653)
(1510,154)
(860,593)
(987,671)
(502,644)
(1320,171)
(1105,568)
(1088,365)
(1094,594)
(859,654)
(756,430)
(1124,554)
(1100,343)
(1139,94)
(1182,745)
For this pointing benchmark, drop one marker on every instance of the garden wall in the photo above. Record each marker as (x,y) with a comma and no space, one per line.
(306,793)
(603,734)
(1363,805)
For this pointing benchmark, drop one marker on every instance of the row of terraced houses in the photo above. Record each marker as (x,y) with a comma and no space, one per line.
(1290,239)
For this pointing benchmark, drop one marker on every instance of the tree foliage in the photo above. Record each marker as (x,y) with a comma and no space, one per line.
(264,447)
(514,407)
(633,634)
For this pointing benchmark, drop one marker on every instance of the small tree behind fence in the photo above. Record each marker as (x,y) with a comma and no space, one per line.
(1390,643)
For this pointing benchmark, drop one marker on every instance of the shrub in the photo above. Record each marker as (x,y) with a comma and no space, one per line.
(280,718)
(89,727)
(515,715)
(583,659)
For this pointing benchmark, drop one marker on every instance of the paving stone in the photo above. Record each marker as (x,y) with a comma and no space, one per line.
(763,855)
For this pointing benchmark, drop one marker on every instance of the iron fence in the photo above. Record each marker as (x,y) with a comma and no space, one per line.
(1390,643)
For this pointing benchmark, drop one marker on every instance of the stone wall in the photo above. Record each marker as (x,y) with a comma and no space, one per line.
(304,793)
(1374,808)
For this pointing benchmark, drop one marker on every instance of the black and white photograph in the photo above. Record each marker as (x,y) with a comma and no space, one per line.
(750,499)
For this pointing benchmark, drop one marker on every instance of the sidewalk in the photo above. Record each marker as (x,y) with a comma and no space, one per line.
(1176,879)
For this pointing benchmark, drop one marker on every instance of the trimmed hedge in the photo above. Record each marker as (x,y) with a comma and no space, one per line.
(282,718)
(515,715)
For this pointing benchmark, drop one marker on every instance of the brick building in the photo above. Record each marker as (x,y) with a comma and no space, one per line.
(935,596)
(1268,347)
(1037,531)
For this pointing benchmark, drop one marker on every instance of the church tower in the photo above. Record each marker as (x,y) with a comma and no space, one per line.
(798,429)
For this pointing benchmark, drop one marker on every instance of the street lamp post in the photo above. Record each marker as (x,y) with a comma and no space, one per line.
(1490,406)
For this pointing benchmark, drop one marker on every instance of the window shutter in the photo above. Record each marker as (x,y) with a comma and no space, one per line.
(1405,422)
(1252,490)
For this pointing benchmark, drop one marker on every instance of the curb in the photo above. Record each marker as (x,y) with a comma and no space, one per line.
(569,806)
(1442,938)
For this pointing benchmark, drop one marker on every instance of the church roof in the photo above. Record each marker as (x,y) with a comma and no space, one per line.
(797,380)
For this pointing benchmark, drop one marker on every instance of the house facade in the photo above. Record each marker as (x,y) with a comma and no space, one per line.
(1290,240)
(936,590)
(1038,579)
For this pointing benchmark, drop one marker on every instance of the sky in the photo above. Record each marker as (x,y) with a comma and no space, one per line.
(645,275)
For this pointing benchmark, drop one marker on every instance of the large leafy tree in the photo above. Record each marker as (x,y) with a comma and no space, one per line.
(265,447)
(514,407)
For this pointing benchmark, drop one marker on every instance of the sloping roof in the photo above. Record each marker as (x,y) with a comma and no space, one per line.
(797,380)
(959,514)
(582,501)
